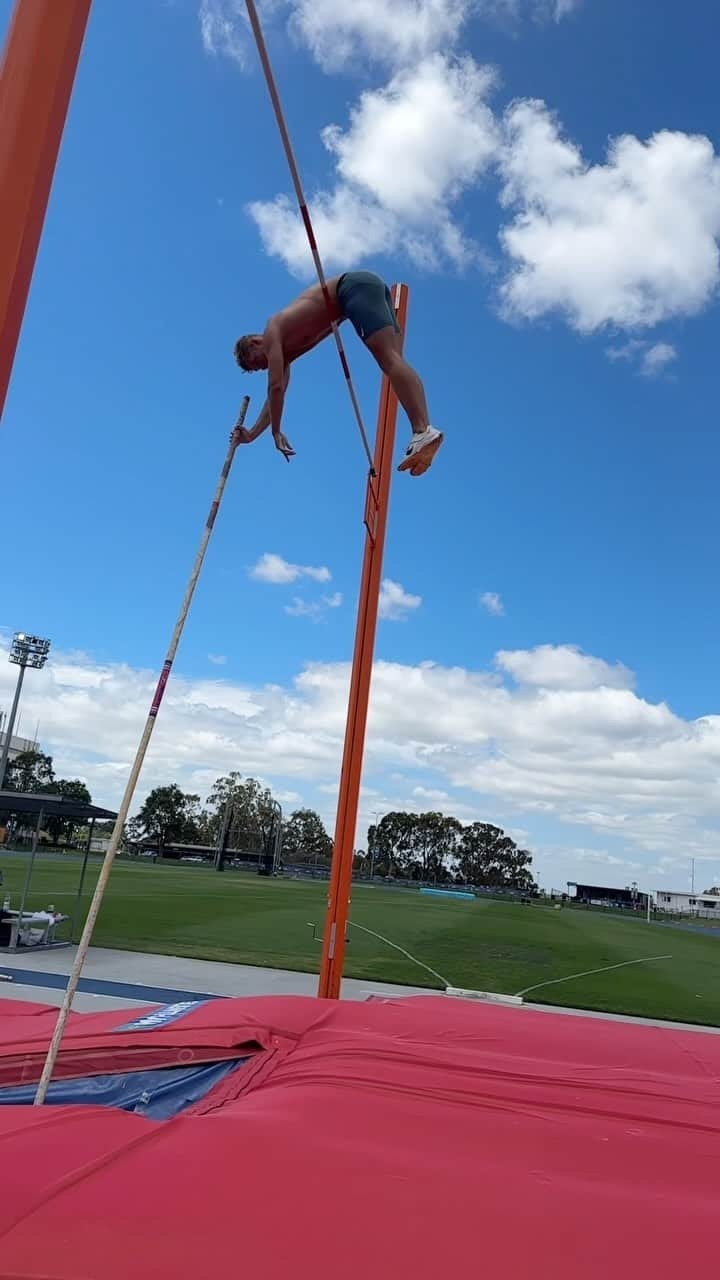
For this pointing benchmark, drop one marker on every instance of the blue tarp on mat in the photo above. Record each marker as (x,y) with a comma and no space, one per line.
(159,1094)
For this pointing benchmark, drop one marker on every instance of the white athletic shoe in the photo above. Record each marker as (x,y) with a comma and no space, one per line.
(421,451)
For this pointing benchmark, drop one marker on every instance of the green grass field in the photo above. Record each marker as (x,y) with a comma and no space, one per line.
(491,946)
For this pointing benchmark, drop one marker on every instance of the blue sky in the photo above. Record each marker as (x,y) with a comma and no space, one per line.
(563,315)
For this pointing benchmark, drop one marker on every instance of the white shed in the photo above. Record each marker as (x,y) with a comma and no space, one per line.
(696,904)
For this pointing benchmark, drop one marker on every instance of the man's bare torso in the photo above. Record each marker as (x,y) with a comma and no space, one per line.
(305,321)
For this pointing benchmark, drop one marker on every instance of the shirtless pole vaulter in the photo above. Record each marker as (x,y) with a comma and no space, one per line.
(365,300)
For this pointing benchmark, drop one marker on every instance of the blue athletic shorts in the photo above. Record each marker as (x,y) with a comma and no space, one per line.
(365,300)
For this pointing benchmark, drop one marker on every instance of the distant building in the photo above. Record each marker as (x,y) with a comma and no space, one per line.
(100,844)
(595,895)
(705,905)
(17,745)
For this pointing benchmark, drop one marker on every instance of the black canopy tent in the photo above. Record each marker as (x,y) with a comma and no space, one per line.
(46,805)
(51,805)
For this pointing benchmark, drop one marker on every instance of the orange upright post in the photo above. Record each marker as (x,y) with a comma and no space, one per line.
(36,78)
(376,509)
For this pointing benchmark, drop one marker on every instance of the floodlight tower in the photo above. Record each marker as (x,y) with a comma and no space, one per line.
(25,651)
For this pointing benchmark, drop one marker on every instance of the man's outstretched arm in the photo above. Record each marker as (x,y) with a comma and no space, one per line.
(245,436)
(278,377)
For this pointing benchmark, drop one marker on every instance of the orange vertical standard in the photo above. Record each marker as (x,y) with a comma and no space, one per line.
(36,78)
(376,510)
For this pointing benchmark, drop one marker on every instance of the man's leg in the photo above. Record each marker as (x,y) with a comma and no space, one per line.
(386,345)
(365,300)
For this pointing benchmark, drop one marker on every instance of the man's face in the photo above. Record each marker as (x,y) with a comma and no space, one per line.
(256,358)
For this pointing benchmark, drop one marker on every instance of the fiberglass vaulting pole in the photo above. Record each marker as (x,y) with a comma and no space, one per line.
(103,878)
(376,511)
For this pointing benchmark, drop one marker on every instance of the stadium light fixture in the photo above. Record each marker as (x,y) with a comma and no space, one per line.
(25,651)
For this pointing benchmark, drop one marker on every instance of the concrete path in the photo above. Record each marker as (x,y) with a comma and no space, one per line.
(113,979)
(127,979)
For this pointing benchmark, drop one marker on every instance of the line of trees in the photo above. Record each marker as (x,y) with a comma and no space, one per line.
(33,771)
(436,848)
(172,816)
(305,840)
(431,847)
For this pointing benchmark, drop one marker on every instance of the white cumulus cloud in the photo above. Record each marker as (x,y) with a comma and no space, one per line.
(222,28)
(272,568)
(658,357)
(398,180)
(560,9)
(542,10)
(217,659)
(622,244)
(631,350)
(548,735)
(562,667)
(340,33)
(628,243)
(395,602)
(491,602)
(349,228)
(313,609)
(403,31)
(648,358)
(396,147)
